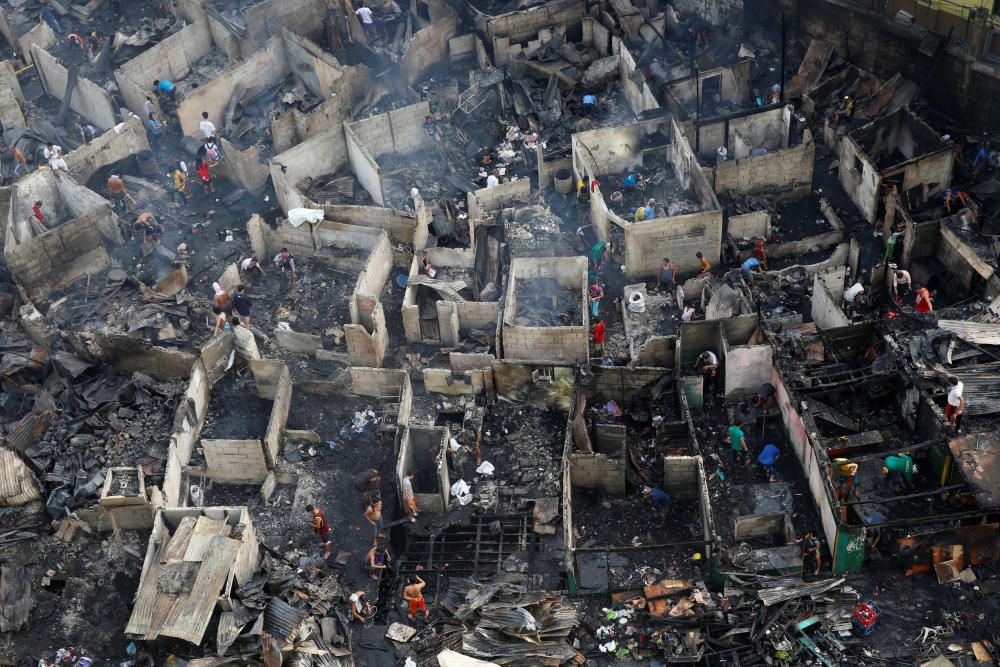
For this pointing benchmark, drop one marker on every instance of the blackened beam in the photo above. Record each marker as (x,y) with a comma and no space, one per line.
(643,547)
(909,496)
(902,450)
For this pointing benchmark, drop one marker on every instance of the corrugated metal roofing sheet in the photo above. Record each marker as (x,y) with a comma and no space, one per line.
(281,619)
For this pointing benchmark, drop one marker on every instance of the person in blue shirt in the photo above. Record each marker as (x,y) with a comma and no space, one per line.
(156,127)
(650,209)
(750,266)
(589,104)
(768,458)
(163,86)
(631,181)
(660,500)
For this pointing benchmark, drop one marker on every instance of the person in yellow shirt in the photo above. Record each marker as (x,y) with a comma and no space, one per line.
(639,214)
(844,473)
(180,183)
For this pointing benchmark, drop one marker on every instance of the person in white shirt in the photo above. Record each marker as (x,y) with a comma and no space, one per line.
(687,314)
(853,294)
(251,264)
(365,16)
(54,155)
(708,361)
(493,180)
(956,403)
(148,108)
(901,278)
(207,126)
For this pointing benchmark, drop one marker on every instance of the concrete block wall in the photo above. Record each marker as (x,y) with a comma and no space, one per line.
(714,11)
(398,131)
(123,140)
(747,367)
(445,381)
(679,238)
(481,315)
(171,59)
(58,257)
(129,354)
(520,25)
(488,200)
(260,70)
(367,347)
(597,471)
(750,225)
(364,165)
(558,345)
(324,153)
(41,36)
(401,226)
(378,265)
(620,383)
(274,438)
(10,98)
(860,178)
(215,356)
(826,310)
(234,461)
(244,168)
(89,99)
(681,478)
(428,47)
(788,168)
(302,17)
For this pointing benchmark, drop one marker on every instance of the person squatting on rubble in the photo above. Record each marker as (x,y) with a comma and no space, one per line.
(703,264)
(117,192)
(750,266)
(413,595)
(660,502)
(955,405)
(738,443)
(764,397)
(409,500)
(366,483)
(251,265)
(376,560)
(321,528)
(147,226)
(54,156)
(361,607)
(810,551)
(898,471)
(768,458)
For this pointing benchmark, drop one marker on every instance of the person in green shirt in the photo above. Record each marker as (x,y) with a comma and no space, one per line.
(737,440)
(597,254)
(810,551)
(898,470)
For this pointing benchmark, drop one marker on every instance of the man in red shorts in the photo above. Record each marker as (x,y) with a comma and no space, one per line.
(414,595)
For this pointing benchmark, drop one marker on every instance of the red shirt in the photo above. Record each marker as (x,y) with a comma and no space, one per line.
(38,213)
(924,300)
(599,332)
(323,529)
(203,171)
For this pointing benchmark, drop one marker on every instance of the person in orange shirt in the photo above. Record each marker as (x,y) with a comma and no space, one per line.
(924,304)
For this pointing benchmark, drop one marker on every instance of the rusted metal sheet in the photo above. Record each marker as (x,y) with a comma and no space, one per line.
(977,456)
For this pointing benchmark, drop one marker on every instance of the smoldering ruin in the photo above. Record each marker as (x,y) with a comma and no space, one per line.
(480,332)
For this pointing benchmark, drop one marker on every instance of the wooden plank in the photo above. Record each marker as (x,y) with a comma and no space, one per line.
(179,542)
(811,70)
(204,531)
(190,615)
(146,596)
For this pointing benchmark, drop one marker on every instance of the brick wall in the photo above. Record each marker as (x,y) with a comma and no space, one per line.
(520,25)
(679,238)
(477,315)
(400,225)
(364,165)
(749,225)
(784,169)
(235,461)
(243,168)
(682,477)
(324,153)
(106,149)
(597,471)
(378,265)
(171,59)
(41,35)
(89,100)
(491,199)
(399,131)
(10,97)
(304,17)
(274,437)
(428,47)
(56,258)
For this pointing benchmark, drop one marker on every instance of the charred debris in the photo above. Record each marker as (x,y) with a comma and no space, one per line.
(595,332)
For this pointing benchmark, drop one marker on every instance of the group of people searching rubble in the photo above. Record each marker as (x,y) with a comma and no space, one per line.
(378,559)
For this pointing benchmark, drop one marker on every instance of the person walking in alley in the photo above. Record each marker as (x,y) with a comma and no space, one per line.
(117,192)
(373,515)
(738,443)
(409,501)
(898,471)
(955,405)
(595,294)
(413,595)
(597,337)
(768,458)
(320,527)
(284,261)
(810,551)
(205,175)
(180,185)
(206,126)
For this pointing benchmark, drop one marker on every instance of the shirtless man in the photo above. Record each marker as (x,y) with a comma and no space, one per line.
(413,594)
(373,514)
(20,163)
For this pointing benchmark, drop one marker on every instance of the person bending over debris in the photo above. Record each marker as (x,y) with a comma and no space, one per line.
(413,595)
(166,93)
(373,515)
(924,303)
(688,313)
(366,482)
(955,405)
(589,104)
(598,336)
(118,192)
(898,471)
(361,608)
(596,293)
(768,458)
(409,501)
(660,500)
(250,264)
(703,264)
(854,294)
(147,225)
(221,302)
(224,323)
(632,181)
(54,155)
(20,163)
(750,266)
(708,362)
(320,526)
(242,305)
(844,473)
(763,398)
(810,551)
(285,262)
(738,443)
(376,560)
(638,213)
(901,281)
(597,254)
